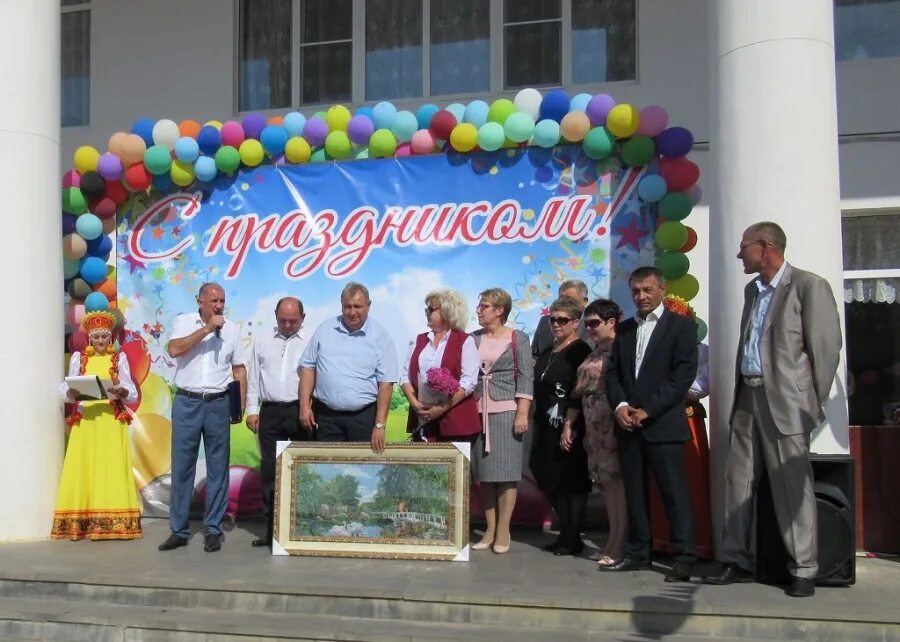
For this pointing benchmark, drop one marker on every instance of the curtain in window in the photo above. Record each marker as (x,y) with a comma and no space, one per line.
(265,54)
(603,41)
(871,243)
(460,46)
(75,67)
(393,49)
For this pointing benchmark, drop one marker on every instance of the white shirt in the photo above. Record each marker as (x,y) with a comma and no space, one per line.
(645,329)
(124,378)
(207,366)
(431,357)
(272,374)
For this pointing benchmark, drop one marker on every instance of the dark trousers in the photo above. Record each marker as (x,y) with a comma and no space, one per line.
(667,462)
(277,422)
(344,425)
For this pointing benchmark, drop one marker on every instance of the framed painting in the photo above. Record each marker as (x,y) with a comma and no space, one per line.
(410,501)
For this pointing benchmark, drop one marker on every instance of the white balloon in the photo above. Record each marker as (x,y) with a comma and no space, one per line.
(165,133)
(529,101)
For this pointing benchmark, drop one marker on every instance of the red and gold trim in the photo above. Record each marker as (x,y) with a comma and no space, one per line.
(97,524)
(120,412)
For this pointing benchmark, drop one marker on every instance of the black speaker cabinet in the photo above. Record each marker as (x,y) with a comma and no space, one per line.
(833,484)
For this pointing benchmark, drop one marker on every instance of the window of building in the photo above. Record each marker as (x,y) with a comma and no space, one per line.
(865,29)
(75,63)
(314,52)
(872,311)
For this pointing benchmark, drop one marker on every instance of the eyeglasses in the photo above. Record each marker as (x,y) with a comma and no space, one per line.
(594,323)
(744,246)
(560,320)
(429,310)
(484,306)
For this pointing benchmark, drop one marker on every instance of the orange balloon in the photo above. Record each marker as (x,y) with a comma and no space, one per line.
(189,128)
(107,287)
(133,148)
(151,447)
(117,142)
(691,240)
(109,225)
(275,120)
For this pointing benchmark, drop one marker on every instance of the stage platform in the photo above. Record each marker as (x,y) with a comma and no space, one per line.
(101,591)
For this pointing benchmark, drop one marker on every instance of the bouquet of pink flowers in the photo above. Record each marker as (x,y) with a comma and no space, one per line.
(441,381)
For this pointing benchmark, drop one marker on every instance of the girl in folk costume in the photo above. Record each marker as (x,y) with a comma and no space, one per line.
(97,495)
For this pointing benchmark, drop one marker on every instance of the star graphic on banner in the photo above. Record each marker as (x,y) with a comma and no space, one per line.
(631,234)
(123,303)
(599,273)
(176,232)
(157,233)
(545,311)
(133,263)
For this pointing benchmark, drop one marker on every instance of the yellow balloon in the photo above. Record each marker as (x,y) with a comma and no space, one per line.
(85,159)
(623,120)
(464,137)
(215,123)
(151,447)
(251,152)
(297,150)
(182,173)
(338,118)
(156,396)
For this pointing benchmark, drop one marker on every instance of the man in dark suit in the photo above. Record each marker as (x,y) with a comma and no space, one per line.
(786,362)
(651,367)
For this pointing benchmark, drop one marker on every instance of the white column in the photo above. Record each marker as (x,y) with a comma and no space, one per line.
(774,141)
(31,323)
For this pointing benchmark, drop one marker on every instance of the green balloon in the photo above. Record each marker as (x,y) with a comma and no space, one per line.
(671,236)
(157,160)
(338,144)
(686,287)
(518,127)
(321,114)
(228,159)
(73,201)
(318,155)
(638,151)
(702,330)
(362,153)
(382,144)
(599,143)
(673,265)
(675,206)
(491,136)
(500,110)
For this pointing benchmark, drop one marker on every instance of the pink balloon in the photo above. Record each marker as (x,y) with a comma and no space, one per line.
(244,491)
(654,119)
(422,142)
(71,179)
(695,194)
(232,133)
(403,149)
(74,313)
(78,341)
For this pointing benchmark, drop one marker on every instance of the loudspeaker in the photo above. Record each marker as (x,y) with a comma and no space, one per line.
(833,477)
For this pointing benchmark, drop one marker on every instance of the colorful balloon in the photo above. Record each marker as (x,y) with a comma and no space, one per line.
(623,120)
(464,137)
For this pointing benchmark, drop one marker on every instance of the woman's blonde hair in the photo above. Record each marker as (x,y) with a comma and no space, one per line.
(453,307)
(499,298)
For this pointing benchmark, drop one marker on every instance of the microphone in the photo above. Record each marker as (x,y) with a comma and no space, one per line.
(218,333)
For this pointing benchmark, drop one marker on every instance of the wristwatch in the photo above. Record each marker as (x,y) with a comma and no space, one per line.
(377,426)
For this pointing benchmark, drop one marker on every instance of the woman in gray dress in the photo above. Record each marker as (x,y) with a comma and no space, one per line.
(504,401)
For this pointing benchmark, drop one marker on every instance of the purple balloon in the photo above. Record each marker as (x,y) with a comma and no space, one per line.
(253,125)
(598,107)
(315,131)
(360,129)
(68,223)
(109,166)
(674,142)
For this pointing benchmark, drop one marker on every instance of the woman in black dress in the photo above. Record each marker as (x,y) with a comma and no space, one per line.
(561,475)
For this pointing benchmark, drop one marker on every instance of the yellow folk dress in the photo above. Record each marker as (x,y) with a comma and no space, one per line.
(97,497)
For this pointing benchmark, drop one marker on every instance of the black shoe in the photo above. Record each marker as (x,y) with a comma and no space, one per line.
(730,573)
(561,550)
(552,546)
(627,563)
(680,572)
(172,542)
(212,543)
(801,587)
(259,543)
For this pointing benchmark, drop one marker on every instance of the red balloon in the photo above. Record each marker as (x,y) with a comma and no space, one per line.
(691,240)
(135,349)
(78,341)
(679,173)
(103,207)
(137,178)
(442,123)
(116,191)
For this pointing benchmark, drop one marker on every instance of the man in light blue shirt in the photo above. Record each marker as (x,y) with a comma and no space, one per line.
(751,362)
(347,374)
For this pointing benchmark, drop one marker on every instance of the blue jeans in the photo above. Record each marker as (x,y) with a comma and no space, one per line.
(191,419)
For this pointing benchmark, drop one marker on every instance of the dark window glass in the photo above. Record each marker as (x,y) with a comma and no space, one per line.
(326,72)
(525,10)
(866,29)
(460,46)
(75,68)
(603,41)
(325,20)
(264,74)
(532,54)
(393,49)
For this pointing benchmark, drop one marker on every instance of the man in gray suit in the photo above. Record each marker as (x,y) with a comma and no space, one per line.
(786,362)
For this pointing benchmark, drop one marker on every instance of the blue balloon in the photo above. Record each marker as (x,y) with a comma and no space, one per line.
(425,113)
(652,188)
(93,269)
(96,302)
(68,223)
(209,139)
(476,113)
(366,111)
(293,123)
(88,227)
(186,149)
(143,127)
(163,182)
(273,139)
(579,102)
(546,133)
(404,125)
(205,169)
(458,110)
(555,105)
(71,268)
(383,114)
(100,246)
